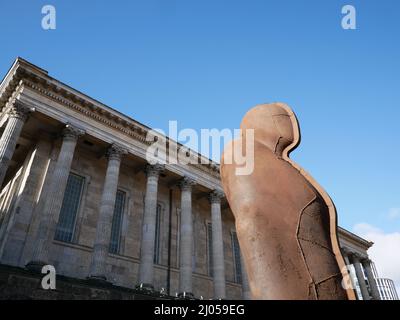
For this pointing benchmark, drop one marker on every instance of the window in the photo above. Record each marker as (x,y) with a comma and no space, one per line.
(236,258)
(117,222)
(69,208)
(210,252)
(156,257)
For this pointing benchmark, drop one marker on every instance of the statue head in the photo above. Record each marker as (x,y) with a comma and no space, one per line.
(275,126)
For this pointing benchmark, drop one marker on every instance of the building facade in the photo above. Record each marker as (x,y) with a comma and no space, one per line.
(360,267)
(78,193)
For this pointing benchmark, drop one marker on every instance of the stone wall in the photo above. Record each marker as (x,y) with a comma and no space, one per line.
(20,284)
(73,259)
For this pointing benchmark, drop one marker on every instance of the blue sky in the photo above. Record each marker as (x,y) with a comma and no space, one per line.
(204,63)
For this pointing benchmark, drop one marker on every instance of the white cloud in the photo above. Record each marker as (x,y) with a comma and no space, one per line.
(385,251)
(394,213)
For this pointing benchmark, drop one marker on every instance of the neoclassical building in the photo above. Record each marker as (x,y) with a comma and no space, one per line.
(77,193)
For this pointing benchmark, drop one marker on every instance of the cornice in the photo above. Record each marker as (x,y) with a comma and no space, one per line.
(345,234)
(24,74)
(88,110)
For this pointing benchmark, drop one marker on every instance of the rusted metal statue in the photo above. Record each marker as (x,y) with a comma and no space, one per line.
(286,223)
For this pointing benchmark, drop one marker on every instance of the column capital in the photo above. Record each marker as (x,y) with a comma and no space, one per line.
(365,259)
(357,257)
(20,110)
(72,133)
(116,151)
(346,251)
(154,170)
(186,183)
(215,196)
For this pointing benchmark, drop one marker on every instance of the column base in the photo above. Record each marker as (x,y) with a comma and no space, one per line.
(186,295)
(35,266)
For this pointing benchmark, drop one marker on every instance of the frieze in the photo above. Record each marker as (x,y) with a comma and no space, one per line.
(22,77)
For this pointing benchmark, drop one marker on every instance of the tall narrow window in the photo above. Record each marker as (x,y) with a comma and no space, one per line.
(210,252)
(116,226)
(236,258)
(157,238)
(69,208)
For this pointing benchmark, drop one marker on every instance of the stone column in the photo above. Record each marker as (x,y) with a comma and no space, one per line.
(146,267)
(26,202)
(17,116)
(186,238)
(246,293)
(349,282)
(366,263)
(54,198)
(217,245)
(345,255)
(360,276)
(104,221)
